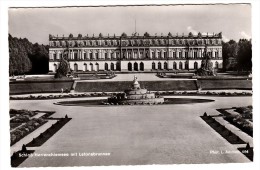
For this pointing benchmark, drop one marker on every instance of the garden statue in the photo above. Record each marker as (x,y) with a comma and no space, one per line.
(206,68)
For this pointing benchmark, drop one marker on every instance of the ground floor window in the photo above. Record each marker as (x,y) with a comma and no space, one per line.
(75,67)
(85,67)
(135,67)
(112,66)
(129,66)
(186,65)
(174,65)
(153,66)
(159,66)
(195,65)
(216,65)
(180,65)
(142,66)
(165,66)
(106,66)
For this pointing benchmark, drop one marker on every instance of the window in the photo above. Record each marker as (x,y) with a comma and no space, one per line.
(75,67)
(54,56)
(216,54)
(186,54)
(91,56)
(165,66)
(106,66)
(216,65)
(195,54)
(174,54)
(174,65)
(180,65)
(195,65)
(153,66)
(159,66)
(180,54)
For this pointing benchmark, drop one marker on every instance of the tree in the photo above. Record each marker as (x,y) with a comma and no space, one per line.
(26,57)
(229,53)
(244,57)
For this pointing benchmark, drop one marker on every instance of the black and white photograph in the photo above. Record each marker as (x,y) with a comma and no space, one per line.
(130,84)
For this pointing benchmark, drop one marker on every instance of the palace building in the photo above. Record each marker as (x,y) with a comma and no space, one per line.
(135,53)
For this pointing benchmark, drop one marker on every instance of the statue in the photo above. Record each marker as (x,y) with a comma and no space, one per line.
(206,68)
(64,66)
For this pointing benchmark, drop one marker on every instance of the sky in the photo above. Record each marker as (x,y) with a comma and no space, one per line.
(35,24)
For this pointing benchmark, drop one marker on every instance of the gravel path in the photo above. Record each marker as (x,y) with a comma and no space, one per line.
(135,135)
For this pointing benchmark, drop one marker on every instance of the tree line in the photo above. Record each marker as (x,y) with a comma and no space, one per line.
(237,56)
(26,57)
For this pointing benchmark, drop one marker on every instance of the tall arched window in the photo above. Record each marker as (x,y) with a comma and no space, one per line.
(180,65)
(153,66)
(174,65)
(142,66)
(165,66)
(118,66)
(129,66)
(112,66)
(97,67)
(195,65)
(85,67)
(159,66)
(187,65)
(106,66)
(91,67)
(135,66)
(75,67)
(216,65)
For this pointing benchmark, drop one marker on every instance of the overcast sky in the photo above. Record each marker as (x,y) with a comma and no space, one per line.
(35,24)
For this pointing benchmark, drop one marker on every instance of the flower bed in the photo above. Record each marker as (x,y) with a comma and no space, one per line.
(23,124)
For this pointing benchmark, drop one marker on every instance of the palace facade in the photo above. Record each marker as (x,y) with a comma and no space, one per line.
(135,53)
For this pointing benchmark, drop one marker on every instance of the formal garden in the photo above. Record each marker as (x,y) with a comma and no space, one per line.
(23,122)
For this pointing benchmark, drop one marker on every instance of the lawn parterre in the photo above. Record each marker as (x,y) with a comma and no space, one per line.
(22,123)
(243,120)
